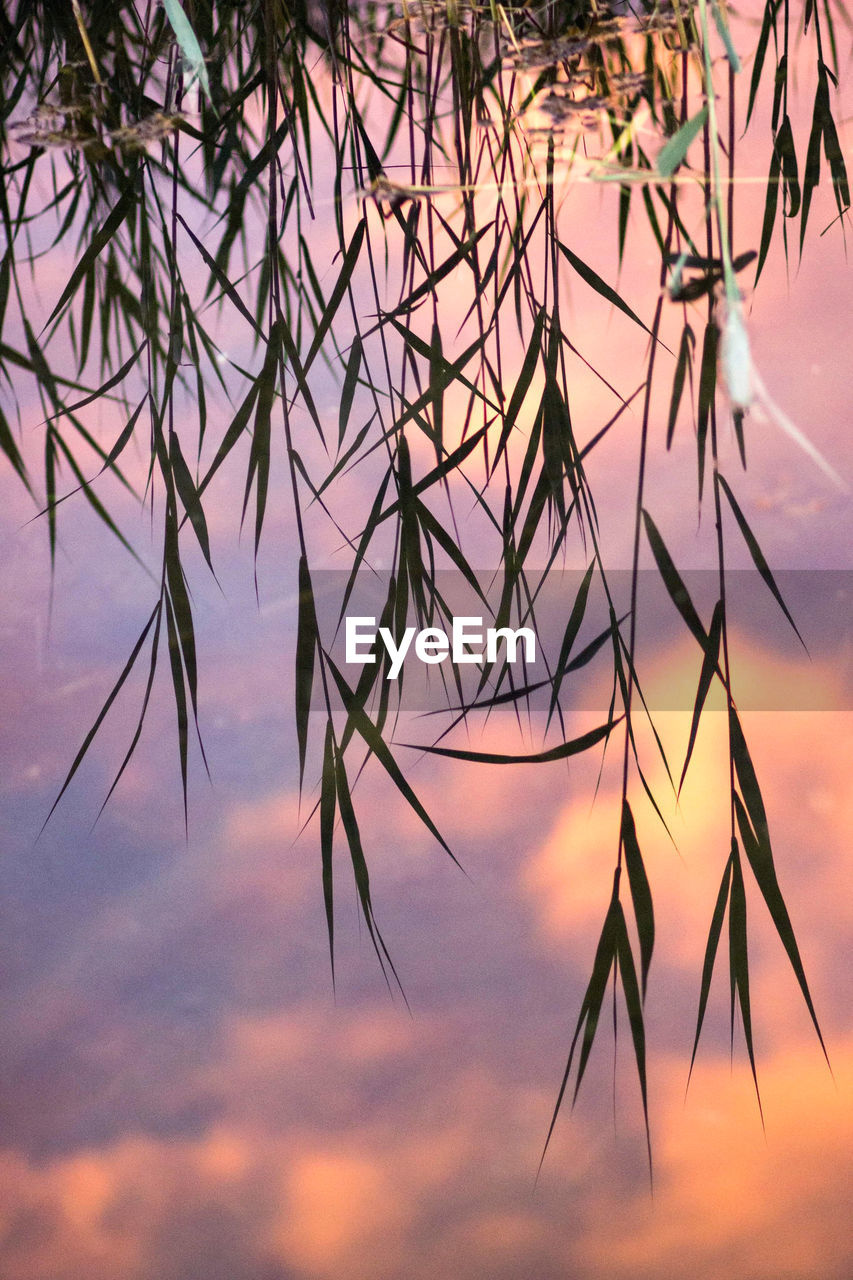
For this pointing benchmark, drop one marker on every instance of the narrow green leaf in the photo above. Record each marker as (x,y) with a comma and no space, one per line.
(348,390)
(259,456)
(436,364)
(222,279)
(641,894)
(449,466)
(359,867)
(189,496)
(374,740)
(179,690)
(767,23)
(102,714)
(571,748)
(522,386)
(298,371)
(444,373)
(452,550)
(710,663)
(341,463)
(780,86)
(758,557)
(233,432)
(374,672)
(570,634)
(760,857)
(435,277)
(674,151)
(811,174)
(188,44)
(9,447)
(634,1005)
(307,640)
(707,391)
(714,933)
(91,497)
(837,167)
(785,146)
(725,36)
(678,592)
(336,297)
(771,202)
(748,781)
(590,1010)
(595,282)
(683,363)
(605,958)
(328,801)
(100,240)
(103,389)
(739,960)
(181,612)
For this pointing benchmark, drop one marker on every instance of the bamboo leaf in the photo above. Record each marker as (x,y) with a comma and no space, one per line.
(307,640)
(758,557)
(522,386)
(678,593)
(189,496)
(435,277)
(785,146)
(570,634)
(683,364)
(336,297)
(179,690)
(359,866)
(739,960)
(811,174)
(771,202)
(221,278)
(673,153)
(452,550)
(348,391)
(233,432)
(590,1011)
(299,371)
(111,382)
(747,780)
(707,391)
(449,466)
(767,23)
(714,933)
(100,240)
(634,1005)
(641,894)
(725,36)
(571,748)
(188,44)
(259,456)
(374,740)
(328,803)
(102,714)
(710,663)
(595,282)
(760,858)
(9,447)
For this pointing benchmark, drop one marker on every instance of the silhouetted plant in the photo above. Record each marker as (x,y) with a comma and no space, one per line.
(191,152)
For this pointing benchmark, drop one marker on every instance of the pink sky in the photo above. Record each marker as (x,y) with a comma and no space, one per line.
(182,1092)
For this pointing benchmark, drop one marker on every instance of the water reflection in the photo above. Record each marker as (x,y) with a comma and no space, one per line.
(183,1095)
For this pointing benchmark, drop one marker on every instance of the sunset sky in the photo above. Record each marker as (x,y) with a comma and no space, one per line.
(184,1094)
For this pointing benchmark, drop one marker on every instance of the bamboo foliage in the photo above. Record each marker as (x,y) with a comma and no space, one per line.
(199,157)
